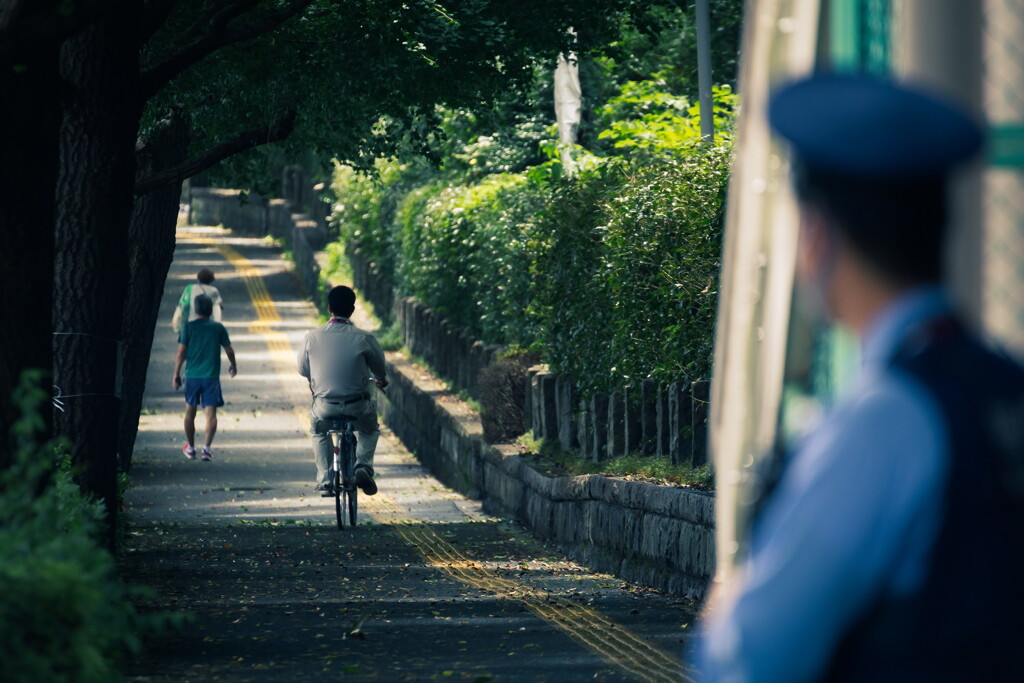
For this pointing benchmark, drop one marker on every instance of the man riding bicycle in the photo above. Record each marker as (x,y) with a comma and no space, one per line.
(339,360)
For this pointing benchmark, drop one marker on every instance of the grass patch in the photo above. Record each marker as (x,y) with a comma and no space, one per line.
(390,337)
(337,268)
(463,395)
(548,457)
(466,398)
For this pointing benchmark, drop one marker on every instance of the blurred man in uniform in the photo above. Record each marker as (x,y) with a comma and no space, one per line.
(891,548)
(339,360)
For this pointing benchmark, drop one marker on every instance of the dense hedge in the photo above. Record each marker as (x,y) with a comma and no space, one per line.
(464,249)
(625,285)
(611,276)
(608,268)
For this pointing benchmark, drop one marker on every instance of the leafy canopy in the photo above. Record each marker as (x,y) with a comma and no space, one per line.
(362,76)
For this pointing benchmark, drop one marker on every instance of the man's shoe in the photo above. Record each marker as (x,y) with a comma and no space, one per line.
(189,452)
(364,480)
(326,490)
(207,454)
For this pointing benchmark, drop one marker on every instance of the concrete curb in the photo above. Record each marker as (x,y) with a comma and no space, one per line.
(656,536)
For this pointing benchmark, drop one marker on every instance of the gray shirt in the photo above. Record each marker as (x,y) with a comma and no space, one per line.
(339,359)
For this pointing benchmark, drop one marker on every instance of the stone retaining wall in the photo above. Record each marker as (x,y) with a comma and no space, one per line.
(231,208)
(657,536)
(250,214)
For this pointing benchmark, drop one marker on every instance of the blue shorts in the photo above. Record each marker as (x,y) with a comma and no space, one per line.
(205,390)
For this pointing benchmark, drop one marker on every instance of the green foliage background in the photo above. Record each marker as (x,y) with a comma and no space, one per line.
(608,269)
(361,77)
(64,616)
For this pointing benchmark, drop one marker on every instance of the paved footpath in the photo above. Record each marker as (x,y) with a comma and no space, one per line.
(426,587)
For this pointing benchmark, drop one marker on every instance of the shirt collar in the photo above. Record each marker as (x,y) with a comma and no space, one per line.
(890,327)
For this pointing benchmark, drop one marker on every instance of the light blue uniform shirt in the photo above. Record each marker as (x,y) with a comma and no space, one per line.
(853,519)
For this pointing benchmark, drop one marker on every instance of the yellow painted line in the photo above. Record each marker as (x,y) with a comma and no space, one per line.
(614,643)
(281,353)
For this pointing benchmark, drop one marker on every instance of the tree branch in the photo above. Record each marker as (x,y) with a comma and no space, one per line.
(154,15)
(278,130)
(201,26)
(218,36)
(230,13)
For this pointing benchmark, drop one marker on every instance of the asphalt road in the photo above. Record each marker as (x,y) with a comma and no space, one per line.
(266,588)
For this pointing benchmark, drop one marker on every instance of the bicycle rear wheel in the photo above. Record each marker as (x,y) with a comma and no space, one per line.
(348,461)
(337,501)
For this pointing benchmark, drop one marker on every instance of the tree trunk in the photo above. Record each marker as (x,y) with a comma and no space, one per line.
(29,130)
(150,251)
(94,194)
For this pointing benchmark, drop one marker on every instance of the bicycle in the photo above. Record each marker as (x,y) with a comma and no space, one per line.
(342,474)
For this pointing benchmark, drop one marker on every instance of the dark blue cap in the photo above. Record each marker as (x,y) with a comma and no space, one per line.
(863,127)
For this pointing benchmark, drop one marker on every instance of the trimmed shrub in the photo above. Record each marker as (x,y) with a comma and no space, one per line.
(662,239)
(356,215)
(465,251)
(570,300)
(625,282)
(502,386)
(365,211)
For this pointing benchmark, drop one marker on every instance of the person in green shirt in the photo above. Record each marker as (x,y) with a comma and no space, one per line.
(199,347)
(185,312)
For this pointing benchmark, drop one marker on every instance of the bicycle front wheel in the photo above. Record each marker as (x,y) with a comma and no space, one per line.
(353,505)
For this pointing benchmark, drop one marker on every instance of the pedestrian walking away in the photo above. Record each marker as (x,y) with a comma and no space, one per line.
(199,346)
(892,544)
(185,312)
(339,361)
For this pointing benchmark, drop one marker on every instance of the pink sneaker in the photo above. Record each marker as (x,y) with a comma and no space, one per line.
(189,452)
(207,454)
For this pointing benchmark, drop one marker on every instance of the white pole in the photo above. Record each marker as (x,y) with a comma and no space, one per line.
(707,117)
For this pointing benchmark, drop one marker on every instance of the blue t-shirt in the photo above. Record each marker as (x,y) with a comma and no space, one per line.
(204,339)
